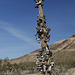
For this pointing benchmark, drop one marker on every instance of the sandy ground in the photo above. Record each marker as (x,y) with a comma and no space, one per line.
(68,72)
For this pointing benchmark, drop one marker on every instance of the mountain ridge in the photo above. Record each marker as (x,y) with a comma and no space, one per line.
(61,48)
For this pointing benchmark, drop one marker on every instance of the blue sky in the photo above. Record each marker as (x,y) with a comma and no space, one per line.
(18,22)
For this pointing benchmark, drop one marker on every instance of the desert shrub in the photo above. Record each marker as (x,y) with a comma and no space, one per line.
(3,68)
(31,66)
(72,64)
(66,64)
(16,68)
(6,60)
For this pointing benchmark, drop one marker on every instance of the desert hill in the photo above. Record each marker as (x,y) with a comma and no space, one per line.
(63,51)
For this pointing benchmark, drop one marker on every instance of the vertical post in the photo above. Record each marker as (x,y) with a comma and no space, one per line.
(44,44)
(43,35)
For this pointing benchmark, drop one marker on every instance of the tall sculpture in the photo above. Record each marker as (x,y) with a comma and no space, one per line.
(44,58)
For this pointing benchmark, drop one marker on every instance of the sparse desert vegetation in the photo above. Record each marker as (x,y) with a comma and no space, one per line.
(63,54)
(26,68)
(16,69)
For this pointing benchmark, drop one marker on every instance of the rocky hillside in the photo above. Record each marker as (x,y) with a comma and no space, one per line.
(63,51)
